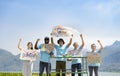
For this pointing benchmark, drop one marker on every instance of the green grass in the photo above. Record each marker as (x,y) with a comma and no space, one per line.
(20,74)
(10,74)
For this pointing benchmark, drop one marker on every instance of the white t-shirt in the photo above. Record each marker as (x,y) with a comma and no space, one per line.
(76,53)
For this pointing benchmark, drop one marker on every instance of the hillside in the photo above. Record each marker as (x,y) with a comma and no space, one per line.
(9,62)
(110,57)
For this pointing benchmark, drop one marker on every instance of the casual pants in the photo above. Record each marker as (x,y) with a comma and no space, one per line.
(27,68)
(60,66)
(74,67)
(42,66)
(91,68)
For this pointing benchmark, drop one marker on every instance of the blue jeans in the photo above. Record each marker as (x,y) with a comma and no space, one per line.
(91,68)
(74,67)
(44,65)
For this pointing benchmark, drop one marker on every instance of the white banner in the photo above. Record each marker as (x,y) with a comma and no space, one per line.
(61,31)
(29,55)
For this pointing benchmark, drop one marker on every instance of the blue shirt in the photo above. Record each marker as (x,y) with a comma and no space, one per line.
(44,56)
(60,52)
(95,64)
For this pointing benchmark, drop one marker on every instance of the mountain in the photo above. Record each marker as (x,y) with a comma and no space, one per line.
(9,62)
(108,50)
(110,60)
(110,57)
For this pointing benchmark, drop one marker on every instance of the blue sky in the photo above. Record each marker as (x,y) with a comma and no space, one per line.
(32,19)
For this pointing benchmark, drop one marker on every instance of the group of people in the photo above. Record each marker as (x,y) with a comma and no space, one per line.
(61,50)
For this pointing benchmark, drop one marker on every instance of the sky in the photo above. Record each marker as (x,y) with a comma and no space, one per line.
(32,19)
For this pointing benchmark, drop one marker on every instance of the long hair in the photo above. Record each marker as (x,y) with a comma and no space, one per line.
(31,45)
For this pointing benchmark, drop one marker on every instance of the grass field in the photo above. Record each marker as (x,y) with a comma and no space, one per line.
(20,74)
(53,74)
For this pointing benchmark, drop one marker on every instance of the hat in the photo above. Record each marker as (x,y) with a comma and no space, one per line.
(61,40)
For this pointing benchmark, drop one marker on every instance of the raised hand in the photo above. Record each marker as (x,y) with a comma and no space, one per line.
(72,36)
(101,47)
(19,44)
(36,47)
(38,40)
(81,35)
(82,40)
(20,39)
(70,42)
(98,41)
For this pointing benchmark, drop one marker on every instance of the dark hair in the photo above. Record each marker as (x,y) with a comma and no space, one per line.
(31,44)
(60,40)
(92,45)
(46,38)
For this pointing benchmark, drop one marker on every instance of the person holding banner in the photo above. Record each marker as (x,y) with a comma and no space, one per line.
(94,66)
(77,51)
(61,51)
(44,57)
(27,60)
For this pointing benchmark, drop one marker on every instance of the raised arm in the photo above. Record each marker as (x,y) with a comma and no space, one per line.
(82,45)
(36,44)
(101,47)
(19,44)
(52,41)
(70,42)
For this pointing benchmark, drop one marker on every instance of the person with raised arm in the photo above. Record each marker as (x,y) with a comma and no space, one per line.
(61,51)
(76,62)
(95,66)
(44,57)
(27,64)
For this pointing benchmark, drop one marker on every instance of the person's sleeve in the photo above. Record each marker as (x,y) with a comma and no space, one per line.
(80,48)
(99,51)
(40,46)
(66,47)
(56,46)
